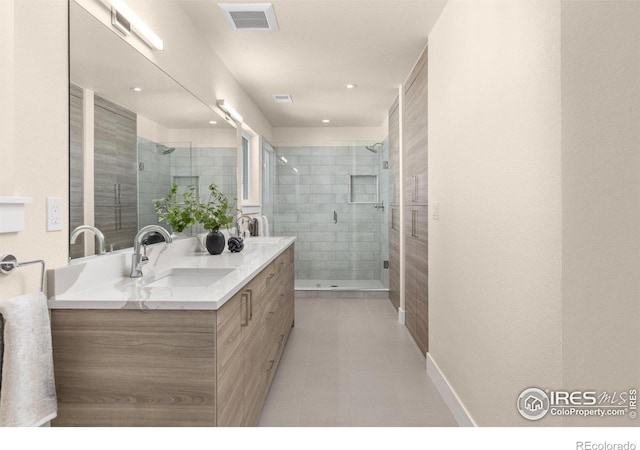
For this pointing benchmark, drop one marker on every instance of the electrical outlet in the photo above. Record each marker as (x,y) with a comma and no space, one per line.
(54,214)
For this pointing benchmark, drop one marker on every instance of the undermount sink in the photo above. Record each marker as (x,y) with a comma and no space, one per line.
(190,278)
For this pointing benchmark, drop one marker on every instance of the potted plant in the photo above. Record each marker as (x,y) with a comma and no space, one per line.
(214,214)
(176,210)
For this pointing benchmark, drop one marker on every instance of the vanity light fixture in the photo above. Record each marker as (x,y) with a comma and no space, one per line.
(120,10)
(136,89)
(351,86)
(213,122)
(227,108)
(325,121)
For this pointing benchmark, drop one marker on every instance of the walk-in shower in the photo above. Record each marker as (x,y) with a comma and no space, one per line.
(331,199)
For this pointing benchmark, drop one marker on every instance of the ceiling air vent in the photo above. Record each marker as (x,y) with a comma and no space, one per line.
(250,16)
(282,98)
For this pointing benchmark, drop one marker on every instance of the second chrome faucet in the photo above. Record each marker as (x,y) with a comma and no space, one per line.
(99,236)
(138,259)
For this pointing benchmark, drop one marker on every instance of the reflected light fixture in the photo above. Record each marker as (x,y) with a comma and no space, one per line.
(125,20)
(351,86)
(325,121)
(213,122)
(227,108)
(136,89)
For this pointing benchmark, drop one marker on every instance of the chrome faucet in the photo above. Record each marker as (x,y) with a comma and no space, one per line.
(239,221)
(82,228)
(138,259)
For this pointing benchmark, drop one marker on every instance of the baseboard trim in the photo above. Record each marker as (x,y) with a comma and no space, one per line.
(401,316)
(459,412)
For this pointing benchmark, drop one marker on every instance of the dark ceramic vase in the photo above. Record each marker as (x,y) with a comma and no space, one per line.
(215,242)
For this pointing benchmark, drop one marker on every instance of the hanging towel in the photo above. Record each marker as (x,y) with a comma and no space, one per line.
(264,226)
(27,391)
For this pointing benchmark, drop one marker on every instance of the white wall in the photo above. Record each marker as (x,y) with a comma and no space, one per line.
(327,136)
(34,128)
(495,256)
(601,197)
(199,137)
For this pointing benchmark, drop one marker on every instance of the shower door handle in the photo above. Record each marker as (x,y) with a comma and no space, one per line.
(335,217)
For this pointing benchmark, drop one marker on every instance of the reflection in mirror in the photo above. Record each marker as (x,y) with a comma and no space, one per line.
(127,146)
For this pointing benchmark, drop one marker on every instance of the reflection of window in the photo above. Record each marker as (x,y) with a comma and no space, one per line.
(245,168)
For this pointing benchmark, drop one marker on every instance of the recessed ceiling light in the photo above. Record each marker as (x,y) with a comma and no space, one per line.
(136,89)
(325,121)
(351,86)
(213,122)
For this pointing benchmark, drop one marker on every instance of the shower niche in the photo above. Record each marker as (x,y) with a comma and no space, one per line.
(364,189)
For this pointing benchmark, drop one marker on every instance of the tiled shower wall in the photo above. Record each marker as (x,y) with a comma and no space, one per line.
(186,165)
(154,180)
(313,183)
(215,165)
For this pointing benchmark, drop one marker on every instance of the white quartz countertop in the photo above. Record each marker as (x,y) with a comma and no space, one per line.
(103,282)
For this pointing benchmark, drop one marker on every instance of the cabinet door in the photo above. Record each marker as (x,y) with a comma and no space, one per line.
(115,173)
(415,135)
(230,363)
(422,296)
(416,275)
(255,356)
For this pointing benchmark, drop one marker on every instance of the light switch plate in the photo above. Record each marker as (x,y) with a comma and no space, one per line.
(54,214)
(436,211)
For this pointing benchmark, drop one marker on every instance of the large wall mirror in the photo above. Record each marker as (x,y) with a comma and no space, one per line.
(134,131)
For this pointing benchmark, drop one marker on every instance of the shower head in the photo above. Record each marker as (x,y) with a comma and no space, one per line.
(372,148)
(164,150)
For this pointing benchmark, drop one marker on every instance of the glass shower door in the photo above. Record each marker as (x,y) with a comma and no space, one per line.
(331,198)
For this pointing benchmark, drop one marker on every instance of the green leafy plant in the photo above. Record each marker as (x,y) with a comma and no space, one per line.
(177,210)
(216,213)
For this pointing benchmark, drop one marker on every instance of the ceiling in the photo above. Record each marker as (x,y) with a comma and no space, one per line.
(321,46)
(103,62)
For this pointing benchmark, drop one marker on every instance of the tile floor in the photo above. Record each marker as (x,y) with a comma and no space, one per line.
(348,362)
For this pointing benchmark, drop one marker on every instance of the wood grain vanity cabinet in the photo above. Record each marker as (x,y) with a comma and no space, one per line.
(174,367)
(415,139)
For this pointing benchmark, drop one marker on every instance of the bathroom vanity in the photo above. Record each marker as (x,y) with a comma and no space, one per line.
(194,342)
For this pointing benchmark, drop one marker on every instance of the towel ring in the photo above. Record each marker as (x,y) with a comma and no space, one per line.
(8,263)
